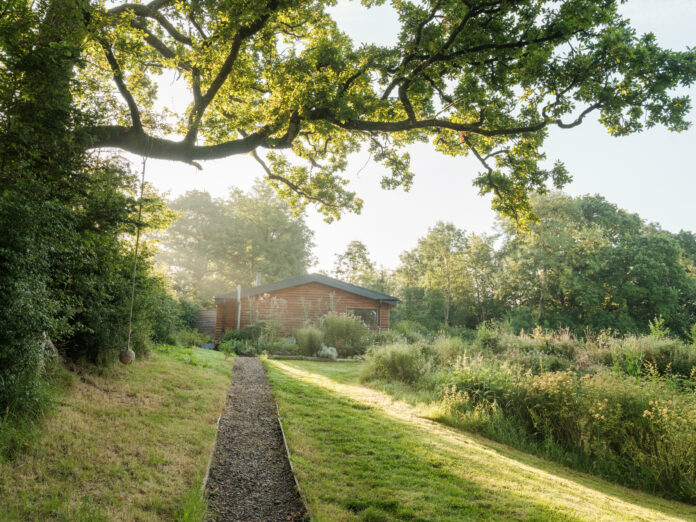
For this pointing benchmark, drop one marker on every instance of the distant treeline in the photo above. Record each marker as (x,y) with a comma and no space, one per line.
(585,264)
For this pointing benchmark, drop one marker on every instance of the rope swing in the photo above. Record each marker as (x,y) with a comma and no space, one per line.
(127,355)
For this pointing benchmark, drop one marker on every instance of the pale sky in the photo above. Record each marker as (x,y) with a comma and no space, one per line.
(652,174)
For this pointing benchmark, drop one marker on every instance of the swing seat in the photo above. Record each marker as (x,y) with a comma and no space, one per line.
(127,356)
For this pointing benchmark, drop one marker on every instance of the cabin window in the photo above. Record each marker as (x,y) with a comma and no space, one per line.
(368,315)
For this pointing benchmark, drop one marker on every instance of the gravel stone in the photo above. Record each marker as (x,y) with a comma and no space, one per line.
(250,476)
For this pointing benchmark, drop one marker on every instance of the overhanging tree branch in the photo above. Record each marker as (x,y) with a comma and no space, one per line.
(121,85)
(204,101)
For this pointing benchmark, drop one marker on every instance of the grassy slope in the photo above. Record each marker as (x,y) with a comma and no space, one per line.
(359,455)
(131,446)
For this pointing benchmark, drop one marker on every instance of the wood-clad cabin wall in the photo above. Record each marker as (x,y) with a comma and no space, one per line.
(293,306)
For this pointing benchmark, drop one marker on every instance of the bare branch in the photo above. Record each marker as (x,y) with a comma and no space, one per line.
(293,186)
(580,118)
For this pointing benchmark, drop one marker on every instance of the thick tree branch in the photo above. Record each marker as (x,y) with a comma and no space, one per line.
(154,5)
(151,10)
(121,85)
(580,118)
(406,125)
(205,99)
(403,97)
(138,142)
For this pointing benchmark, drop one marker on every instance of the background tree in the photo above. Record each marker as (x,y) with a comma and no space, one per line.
(219,243)
(355,266)
(587,263)
(482,269)
(583,264)
(436,265)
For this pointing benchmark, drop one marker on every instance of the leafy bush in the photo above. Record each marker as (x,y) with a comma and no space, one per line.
(692,334)
(538,362)
(395,362)
(488,337)
(328,352)
(386,337)
(637,432)
(192,337)
(412,331)
(235,335)
(346,333)
(447,349)
(658,329)
(229,347)
(246,333)
(188,312)
(235,346)
(287,349)
(309,340)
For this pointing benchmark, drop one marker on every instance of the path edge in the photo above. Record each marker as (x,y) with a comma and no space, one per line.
(204,485)
(287,453)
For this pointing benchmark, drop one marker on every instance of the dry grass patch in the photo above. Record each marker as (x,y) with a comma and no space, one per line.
(129,446)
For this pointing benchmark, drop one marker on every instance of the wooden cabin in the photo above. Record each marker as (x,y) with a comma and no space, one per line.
(296,301)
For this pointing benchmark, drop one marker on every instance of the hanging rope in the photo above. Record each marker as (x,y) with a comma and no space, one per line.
(128,356)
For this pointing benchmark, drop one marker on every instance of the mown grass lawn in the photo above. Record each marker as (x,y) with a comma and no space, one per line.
(132,445)
(360,455)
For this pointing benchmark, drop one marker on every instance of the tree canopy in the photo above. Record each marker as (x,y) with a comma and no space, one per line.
(584,264)
(279,80)
(219,243)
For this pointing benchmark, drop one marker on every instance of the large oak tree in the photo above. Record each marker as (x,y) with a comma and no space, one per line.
(277,79)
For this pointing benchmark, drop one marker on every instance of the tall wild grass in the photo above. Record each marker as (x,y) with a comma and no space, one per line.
(622,408)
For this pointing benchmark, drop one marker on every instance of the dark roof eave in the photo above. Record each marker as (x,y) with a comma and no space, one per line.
(305,279)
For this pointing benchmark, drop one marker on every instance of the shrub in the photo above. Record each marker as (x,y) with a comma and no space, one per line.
(446,349)
(692,334)
(395,362)
(658,330)
(632,355)
(329,352)
(636,431)
(229,347)
(192,337)
(488,337)
(346,333)
(412,331)
(236,335)
(385,337)
(188,312)
(309,340)
(288,349)
(539,363)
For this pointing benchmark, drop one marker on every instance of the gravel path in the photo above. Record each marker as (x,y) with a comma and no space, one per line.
(250,477)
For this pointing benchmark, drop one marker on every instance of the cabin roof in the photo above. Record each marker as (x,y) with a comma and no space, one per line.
(309,278)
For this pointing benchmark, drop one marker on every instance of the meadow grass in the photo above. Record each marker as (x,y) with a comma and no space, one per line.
(361,455)
(132,444)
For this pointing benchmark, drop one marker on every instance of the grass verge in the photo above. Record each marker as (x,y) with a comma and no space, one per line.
(360,455)
(131,445)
